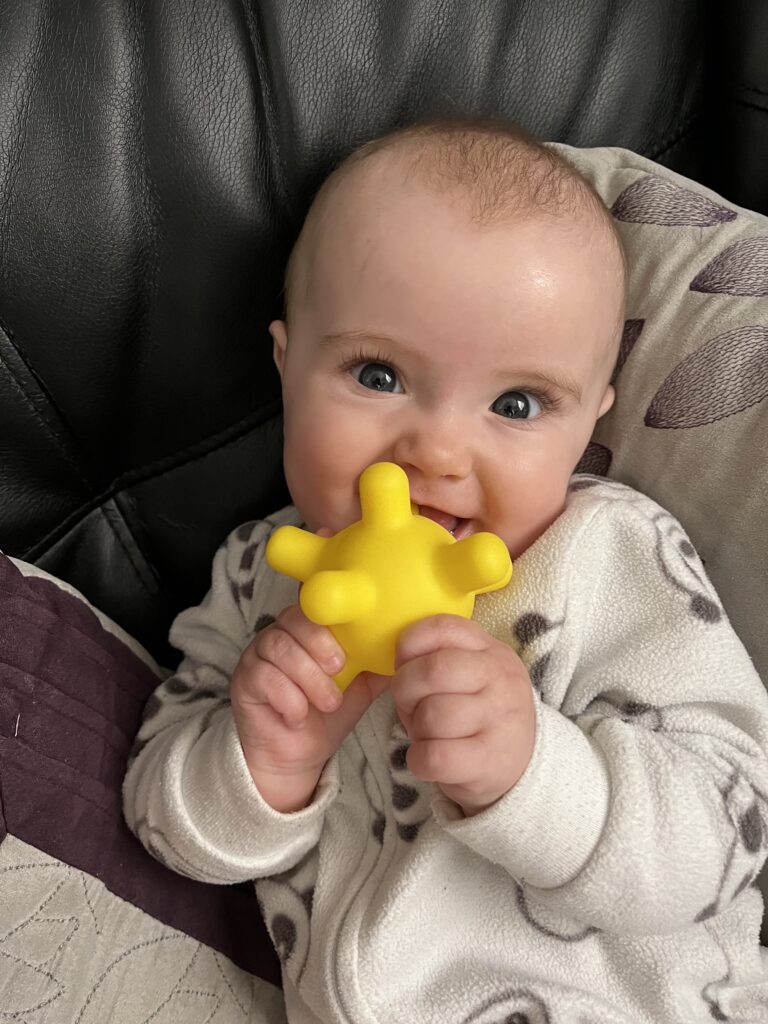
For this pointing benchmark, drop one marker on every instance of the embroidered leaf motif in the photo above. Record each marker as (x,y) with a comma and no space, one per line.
(632,331)
(167,960)
(654,200)
(741,269)
(596,459)
(725,376)
(34,937)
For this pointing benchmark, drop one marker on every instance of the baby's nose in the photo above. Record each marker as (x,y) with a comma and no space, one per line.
(434,450)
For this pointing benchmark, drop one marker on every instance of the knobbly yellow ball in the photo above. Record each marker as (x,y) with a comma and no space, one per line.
(389,569)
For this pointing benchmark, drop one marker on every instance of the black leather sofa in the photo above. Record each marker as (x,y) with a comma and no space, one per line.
(156,160)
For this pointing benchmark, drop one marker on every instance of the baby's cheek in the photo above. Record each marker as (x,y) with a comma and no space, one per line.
(531,516)
(322,497)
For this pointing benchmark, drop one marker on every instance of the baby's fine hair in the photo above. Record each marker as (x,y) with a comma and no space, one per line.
(501,171)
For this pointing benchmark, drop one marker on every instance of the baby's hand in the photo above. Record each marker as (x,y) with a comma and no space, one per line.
(466,702)
(290,715)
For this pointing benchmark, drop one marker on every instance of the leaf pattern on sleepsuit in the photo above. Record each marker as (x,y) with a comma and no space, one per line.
(516,1005)
(653,200)
(549,922)
(290,895)
(725,376)
(632,331)
(741,269)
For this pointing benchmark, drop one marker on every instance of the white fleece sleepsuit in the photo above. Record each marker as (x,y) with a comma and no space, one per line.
(613,883)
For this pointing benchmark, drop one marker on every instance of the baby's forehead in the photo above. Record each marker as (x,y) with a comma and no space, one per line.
(373,210)
(360,201)
(365,187)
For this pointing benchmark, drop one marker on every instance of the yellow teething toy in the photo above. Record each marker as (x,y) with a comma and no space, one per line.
(386,571)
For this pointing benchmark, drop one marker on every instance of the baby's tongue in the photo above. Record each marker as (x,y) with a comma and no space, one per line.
(445,520)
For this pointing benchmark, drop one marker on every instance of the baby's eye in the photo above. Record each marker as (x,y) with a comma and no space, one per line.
(517,405)
(377,377)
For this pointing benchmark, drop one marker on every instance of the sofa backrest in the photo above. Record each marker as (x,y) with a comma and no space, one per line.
(156,161)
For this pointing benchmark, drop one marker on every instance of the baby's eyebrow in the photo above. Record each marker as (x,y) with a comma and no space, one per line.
(545,378)
(341,337)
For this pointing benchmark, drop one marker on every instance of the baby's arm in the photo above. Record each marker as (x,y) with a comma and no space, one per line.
(645,805)
(188,794)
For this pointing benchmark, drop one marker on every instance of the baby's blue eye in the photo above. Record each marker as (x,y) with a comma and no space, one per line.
(516,405)
(377,377)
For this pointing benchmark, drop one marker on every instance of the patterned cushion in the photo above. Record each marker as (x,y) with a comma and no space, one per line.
(92,928)
(690,422)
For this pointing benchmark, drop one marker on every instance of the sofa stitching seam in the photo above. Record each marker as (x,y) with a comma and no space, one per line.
(143,475)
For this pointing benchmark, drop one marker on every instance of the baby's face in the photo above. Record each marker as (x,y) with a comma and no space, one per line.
(476,359)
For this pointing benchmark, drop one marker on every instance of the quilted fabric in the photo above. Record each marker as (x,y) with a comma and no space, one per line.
(90,920)
(73,953)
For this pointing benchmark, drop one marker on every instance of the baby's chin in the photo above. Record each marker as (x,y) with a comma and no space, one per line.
(319,528)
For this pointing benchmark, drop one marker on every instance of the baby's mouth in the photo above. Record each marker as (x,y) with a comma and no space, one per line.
(453,524)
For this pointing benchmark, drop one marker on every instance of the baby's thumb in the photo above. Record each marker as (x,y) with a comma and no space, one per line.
(375,683)
(359,695)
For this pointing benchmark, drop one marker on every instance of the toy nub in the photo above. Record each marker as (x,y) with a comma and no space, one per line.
(385,571)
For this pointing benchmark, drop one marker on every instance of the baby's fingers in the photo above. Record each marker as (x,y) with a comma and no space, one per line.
(306,653)
(282,695)
(317,641)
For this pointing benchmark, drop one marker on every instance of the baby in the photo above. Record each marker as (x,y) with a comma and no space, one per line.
(554,812)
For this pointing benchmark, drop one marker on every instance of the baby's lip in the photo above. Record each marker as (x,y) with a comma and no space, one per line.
(447,520)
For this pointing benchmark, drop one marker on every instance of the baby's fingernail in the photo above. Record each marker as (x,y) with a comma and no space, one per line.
(335,664)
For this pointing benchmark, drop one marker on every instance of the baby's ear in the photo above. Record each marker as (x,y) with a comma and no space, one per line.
(608,400)
(280,339)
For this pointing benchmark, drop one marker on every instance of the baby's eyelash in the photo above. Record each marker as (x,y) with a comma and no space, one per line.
(548,400)
(360,356)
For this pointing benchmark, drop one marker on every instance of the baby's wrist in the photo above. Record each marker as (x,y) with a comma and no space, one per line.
(470,806)
(286,793)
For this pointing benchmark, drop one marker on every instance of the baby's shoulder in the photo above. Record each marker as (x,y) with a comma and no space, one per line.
(259,593)
(612,531)
(588,494)
(256,531)
(240,556)
(607,520)
(594,504)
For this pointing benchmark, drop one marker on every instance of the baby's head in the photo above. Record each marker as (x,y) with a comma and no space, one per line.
(454,304)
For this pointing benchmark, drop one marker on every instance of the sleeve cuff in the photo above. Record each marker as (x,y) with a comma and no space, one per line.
(229,814)
(544,830)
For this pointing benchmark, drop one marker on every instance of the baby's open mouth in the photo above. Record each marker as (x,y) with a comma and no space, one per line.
(453,524)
